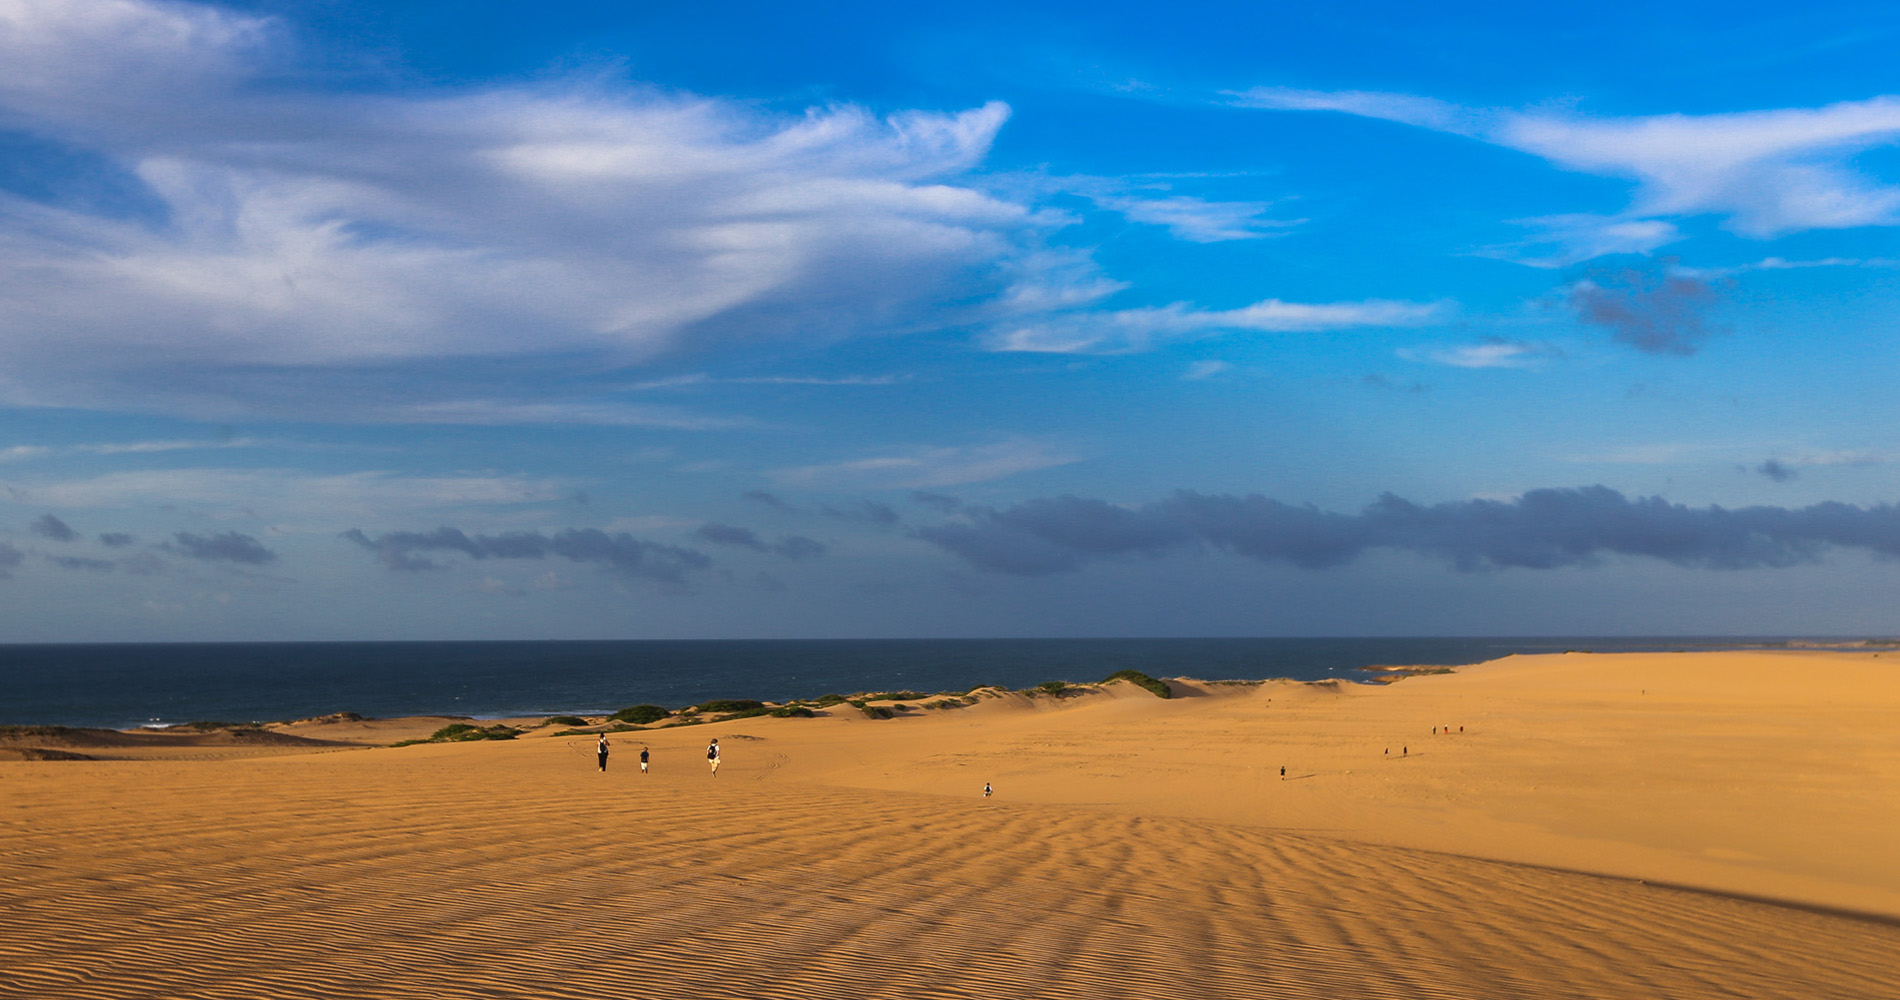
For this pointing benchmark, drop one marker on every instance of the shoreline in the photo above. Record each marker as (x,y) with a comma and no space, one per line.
(131,685)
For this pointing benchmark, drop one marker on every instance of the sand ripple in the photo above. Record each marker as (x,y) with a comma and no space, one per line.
(402,874)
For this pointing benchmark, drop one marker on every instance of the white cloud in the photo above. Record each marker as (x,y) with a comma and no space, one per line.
(1766,172)
(930,467)
(1426,112)
(287,492)
(306,230)
(1150,199)
(1204,369)
(1643,454)
(1769,172)
(1140,329)
(1488,354)
(296,239)
(503,413)
(701,379)
(1782,264)
(1200,221)
(21,452)
(1562,240)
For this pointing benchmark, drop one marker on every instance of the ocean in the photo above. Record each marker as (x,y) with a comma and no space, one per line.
(127,685)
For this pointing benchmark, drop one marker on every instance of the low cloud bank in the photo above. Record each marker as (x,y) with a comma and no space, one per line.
(618,552)
(1543,529)
(229,546)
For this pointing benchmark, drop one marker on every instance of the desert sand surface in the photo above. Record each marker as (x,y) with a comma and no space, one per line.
(1641,826)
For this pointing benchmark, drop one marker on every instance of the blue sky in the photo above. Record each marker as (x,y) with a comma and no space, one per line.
(432,320)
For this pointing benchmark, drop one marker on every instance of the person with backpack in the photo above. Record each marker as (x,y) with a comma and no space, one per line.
(712,756)
(601,749)
(643,759)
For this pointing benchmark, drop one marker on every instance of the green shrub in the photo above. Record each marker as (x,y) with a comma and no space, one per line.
(462,732)
(877,711)
(794,712)
(729,705)
(826,701)
(1136,677)
(1052,687)
(896,696)
(565,720)
(640,715)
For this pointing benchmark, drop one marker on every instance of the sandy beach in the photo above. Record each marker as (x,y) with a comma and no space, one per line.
(1631,826)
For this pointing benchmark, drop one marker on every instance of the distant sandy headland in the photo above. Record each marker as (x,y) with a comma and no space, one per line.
(1625,825)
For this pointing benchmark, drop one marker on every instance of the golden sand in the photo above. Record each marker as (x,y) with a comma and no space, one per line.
(1685,825)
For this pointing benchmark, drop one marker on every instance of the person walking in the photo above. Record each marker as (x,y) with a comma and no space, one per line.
(986,789)
(643,759)
(712,756)
(601,749)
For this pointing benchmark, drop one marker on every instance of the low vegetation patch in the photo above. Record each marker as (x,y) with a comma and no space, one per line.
(896,696)
(794,712)
(728,705)
(565,720)
(828,700)
(15,731)
(877,711)
(640,715)
(1160,689)
(618,727)
(462,732)
(1057,688)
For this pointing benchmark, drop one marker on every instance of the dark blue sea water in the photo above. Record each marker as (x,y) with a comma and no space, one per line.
(124,685)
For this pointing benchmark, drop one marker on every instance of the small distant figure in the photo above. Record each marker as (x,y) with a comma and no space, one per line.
(1282,772)
(1434,730)
(1461,729)
(987,790)
(712,756)
(644,752)
(1388,751)
(1405,751)
(601,749)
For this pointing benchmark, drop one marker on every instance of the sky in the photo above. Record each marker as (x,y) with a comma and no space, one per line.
(326,319)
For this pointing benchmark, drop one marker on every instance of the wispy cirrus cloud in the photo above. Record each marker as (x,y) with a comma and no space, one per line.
(930,467)
(286,238)
(19,453)
(289,492)
(1765,173)
(1495,352)
(1562,240)
(307,230)
(1125,330)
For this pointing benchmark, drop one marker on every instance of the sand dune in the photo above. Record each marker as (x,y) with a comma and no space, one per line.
(1136,848)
